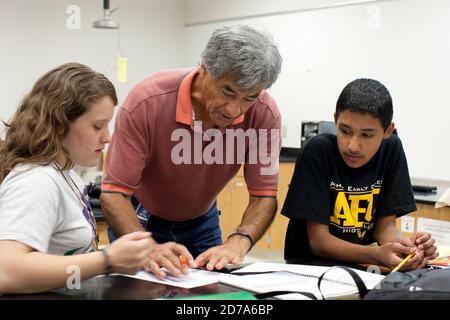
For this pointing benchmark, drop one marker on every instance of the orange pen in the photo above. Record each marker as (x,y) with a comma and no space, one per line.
(183,260)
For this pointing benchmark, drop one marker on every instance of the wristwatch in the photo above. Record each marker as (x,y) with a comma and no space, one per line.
(244,235)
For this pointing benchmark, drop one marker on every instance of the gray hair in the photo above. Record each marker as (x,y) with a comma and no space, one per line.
(250,56)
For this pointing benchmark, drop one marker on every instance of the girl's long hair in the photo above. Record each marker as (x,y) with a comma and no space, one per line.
(36,132)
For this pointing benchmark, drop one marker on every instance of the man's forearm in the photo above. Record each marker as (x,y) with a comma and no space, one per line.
(119,213)
(258,216)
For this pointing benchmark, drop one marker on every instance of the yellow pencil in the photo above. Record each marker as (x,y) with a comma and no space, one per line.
(403,262)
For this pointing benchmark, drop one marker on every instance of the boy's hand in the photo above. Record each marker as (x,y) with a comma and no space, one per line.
(425,242)
(392,253)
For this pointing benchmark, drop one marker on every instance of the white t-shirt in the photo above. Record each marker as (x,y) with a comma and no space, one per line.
(2,130)
(40,209)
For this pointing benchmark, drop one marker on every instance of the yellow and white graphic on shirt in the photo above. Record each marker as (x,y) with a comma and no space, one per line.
(354,211)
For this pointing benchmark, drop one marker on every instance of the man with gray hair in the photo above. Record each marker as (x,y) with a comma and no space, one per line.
(177,143)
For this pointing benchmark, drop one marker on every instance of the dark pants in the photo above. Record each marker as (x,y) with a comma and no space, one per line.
(197,235)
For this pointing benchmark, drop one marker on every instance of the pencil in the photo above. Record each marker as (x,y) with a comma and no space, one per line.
(401,264)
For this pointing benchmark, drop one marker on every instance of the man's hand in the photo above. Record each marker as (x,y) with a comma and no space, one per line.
(232,251)
(167,255)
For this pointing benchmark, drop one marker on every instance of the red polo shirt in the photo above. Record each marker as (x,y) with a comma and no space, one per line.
(151,127)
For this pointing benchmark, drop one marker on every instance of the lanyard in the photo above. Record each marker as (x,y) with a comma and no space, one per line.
(87,210)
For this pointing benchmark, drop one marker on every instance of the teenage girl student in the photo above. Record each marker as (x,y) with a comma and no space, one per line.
(46,223)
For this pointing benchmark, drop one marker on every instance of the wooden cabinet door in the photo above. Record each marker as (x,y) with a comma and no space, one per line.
(279,225)
(233,201)
(239,202)
(425,211)
(224,205)
(102,229)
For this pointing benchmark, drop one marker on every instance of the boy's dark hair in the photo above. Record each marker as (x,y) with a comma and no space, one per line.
(367,96)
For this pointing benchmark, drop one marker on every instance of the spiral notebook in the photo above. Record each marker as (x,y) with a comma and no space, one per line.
(264,277)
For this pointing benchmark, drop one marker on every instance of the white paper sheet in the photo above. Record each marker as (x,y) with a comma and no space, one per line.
(195,278)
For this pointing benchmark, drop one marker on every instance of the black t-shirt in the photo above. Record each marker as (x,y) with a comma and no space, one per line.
(325,190)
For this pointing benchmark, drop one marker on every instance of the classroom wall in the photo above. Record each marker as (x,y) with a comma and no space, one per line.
(34,37)
(203,11)
(402,43)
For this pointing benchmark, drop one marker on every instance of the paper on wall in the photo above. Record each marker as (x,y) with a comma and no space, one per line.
(444,200)
(439,230)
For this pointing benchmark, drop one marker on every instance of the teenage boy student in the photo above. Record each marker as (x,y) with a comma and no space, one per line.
(348,189)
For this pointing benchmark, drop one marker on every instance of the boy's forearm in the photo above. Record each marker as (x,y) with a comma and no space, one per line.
(387,233)
(338,249)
